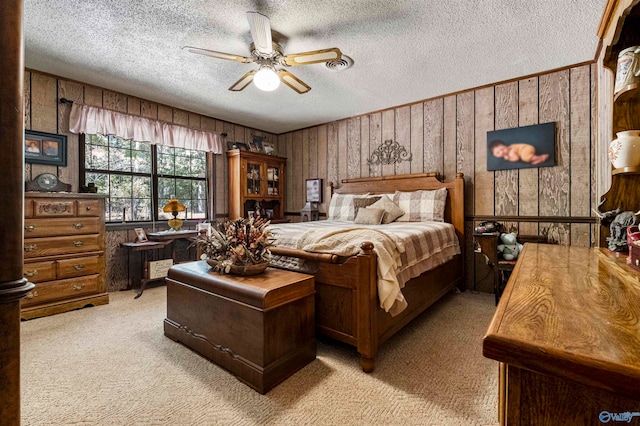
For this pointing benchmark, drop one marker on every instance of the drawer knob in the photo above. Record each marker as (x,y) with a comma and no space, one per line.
(88,208)
(78,243)
(78,225)
(31,294)
(31,273)
(29,228)
(30,247)
(78,287)
(79,267)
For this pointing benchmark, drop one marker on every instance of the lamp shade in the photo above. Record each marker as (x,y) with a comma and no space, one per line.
(173,206)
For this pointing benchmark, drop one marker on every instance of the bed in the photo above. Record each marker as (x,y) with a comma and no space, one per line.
(347,303)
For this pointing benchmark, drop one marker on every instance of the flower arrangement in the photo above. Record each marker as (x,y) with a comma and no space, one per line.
(237,246)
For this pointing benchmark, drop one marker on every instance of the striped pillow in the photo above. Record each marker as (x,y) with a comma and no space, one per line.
(422,205)
(341,207)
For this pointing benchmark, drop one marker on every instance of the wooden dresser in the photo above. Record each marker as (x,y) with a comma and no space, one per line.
(567,335)
(64,242)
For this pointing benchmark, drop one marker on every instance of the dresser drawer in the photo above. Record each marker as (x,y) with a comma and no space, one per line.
(61,226)
(40,271)
(89,208)
(61,289)
(53,208)
(54,246)
(77,267)
(28,207)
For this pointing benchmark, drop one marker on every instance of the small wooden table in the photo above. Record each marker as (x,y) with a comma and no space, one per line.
(145,248)
(567,335)
(170,237)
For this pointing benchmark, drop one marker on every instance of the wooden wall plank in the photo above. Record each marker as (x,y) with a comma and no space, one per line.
(484,184)
(289,200)
(44,103)
(74,92)
(332,153)
(594,149)
(417,138)
(134,106)
(388,133)
(241,134)
(580,234)
(528,178)
(403,137)
(450,142)
(27,100)
(364,145)
(375,139)
(322,165)
(165,113)
(149,109)
(580,148)
(312,164)
(305,164)
(297,195)
(554,107)
(506,117)
(93,96)
(434,136)
(181,118)
(114,100)
(353,147)
(465,144)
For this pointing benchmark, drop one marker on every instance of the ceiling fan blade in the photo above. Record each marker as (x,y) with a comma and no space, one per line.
(261,32)
(219,55)
(294,82)
(313,57)
(244,81)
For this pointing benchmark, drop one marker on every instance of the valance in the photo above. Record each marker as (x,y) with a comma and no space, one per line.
(92,120)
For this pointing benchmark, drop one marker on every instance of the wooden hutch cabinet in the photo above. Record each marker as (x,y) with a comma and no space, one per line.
(256,179)
(64,245)
(619,30)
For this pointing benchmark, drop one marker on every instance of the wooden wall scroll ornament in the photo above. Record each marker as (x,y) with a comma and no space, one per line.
(389,152)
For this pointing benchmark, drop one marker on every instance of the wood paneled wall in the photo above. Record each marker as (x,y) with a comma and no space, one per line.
(44,112)
(448,135)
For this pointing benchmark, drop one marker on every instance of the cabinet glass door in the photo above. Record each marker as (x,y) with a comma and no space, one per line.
(253,178)
(273,180)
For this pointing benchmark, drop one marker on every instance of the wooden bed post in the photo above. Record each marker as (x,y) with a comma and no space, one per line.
(367,309)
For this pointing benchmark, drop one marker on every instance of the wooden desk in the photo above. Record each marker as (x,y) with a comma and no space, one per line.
(567,334)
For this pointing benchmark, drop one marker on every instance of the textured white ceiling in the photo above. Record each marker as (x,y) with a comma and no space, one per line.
(404,51)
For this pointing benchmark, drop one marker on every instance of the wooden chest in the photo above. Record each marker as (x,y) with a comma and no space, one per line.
(260,328)
(63,252)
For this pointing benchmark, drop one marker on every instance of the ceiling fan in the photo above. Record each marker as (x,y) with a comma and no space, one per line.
(269,56)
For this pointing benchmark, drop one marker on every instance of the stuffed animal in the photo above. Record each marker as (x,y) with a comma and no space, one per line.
(509,247)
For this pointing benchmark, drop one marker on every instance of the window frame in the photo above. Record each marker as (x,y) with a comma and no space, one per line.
(153,174)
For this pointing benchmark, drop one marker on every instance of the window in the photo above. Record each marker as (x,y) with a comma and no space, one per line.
(139,178)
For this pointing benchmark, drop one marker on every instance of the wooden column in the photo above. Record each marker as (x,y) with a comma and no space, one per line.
(13,286)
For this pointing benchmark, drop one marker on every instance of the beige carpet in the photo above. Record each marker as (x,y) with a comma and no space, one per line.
(112,365)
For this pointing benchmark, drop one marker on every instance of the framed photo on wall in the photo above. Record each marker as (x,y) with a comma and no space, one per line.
(522,147)
(45,148)
(314,190)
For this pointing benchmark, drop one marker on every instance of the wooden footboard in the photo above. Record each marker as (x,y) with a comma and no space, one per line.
(347,305)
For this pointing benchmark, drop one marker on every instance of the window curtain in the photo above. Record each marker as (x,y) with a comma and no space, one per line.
(92,120)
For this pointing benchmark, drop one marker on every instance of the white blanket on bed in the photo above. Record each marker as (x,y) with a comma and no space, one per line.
(346,242)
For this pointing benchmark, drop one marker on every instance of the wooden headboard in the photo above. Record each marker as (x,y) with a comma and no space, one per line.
(454,209)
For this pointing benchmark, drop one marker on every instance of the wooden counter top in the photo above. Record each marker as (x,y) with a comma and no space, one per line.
(573,313)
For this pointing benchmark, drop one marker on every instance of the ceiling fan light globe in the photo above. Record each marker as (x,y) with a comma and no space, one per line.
(266,79)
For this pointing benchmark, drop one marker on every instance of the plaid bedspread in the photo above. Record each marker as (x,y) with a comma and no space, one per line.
(422,245)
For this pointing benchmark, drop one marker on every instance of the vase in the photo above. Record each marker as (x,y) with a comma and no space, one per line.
(253,269)
(624,151)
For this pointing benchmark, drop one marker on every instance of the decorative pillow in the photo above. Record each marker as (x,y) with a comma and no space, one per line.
(369,216)
(391,210)
(359,203)
(422,205)
(341,206)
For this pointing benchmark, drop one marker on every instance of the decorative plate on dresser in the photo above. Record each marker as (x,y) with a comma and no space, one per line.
(64,245)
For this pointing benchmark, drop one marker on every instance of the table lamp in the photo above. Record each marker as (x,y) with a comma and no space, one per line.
(174,207)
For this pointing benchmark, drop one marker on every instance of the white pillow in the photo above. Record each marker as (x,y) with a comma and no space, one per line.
(391,210)
(368,216)
(422,205)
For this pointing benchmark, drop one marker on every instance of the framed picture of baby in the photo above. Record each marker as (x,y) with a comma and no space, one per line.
(522,147)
